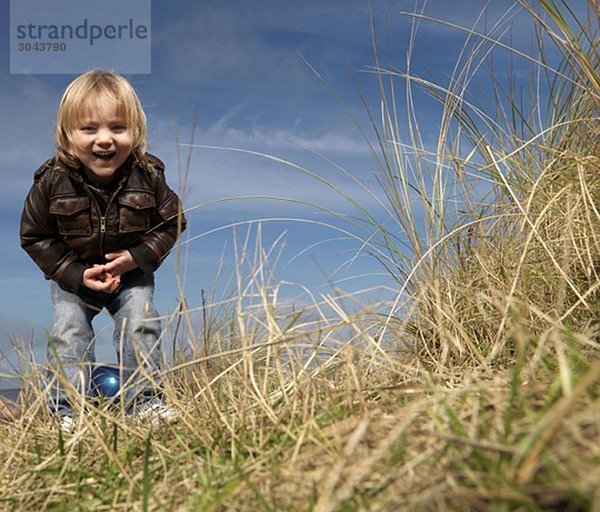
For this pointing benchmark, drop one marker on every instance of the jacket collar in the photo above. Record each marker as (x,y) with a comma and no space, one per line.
(77,173)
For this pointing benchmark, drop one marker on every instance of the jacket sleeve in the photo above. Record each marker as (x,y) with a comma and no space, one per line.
(41,240)
(168,223)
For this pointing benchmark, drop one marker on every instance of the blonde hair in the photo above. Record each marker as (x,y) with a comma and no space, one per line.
(82,96)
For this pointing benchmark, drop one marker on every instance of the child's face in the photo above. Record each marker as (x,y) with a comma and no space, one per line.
(102,140)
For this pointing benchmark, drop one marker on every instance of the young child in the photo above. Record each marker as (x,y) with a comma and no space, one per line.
(98,220)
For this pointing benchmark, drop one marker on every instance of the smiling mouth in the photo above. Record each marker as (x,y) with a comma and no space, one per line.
(104,155)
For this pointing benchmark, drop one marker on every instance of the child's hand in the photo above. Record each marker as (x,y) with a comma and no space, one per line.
(120,262)
(98,279)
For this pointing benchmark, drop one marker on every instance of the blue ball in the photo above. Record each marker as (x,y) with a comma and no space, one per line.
(105,381)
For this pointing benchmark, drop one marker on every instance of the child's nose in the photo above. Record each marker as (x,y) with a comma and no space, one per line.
(104,137)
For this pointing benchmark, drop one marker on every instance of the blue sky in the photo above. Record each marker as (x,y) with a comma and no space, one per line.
(240,68)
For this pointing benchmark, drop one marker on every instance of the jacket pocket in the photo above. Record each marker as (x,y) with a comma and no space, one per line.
(135,210)
(72,215)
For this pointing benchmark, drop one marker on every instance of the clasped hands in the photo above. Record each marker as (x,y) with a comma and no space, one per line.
(107,278)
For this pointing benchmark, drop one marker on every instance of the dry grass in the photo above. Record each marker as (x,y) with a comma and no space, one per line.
(477,388)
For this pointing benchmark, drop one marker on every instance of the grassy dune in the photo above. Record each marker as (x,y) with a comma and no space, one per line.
(476,388)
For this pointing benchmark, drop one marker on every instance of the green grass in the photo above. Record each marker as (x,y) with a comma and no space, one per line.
(477,388)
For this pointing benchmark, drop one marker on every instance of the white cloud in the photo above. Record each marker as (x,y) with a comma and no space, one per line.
(220,173)
(332,141)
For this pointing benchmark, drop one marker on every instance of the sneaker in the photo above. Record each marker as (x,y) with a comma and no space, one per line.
(66,423)
(155,410)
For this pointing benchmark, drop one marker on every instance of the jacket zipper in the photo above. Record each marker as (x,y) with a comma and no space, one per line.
(102,217)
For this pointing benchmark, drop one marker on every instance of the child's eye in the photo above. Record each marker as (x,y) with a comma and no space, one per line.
(119,128)
(87,129)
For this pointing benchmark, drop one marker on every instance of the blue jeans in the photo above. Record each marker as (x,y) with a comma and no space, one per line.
(136,341)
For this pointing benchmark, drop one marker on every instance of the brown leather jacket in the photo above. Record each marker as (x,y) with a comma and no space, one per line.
(65,228)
